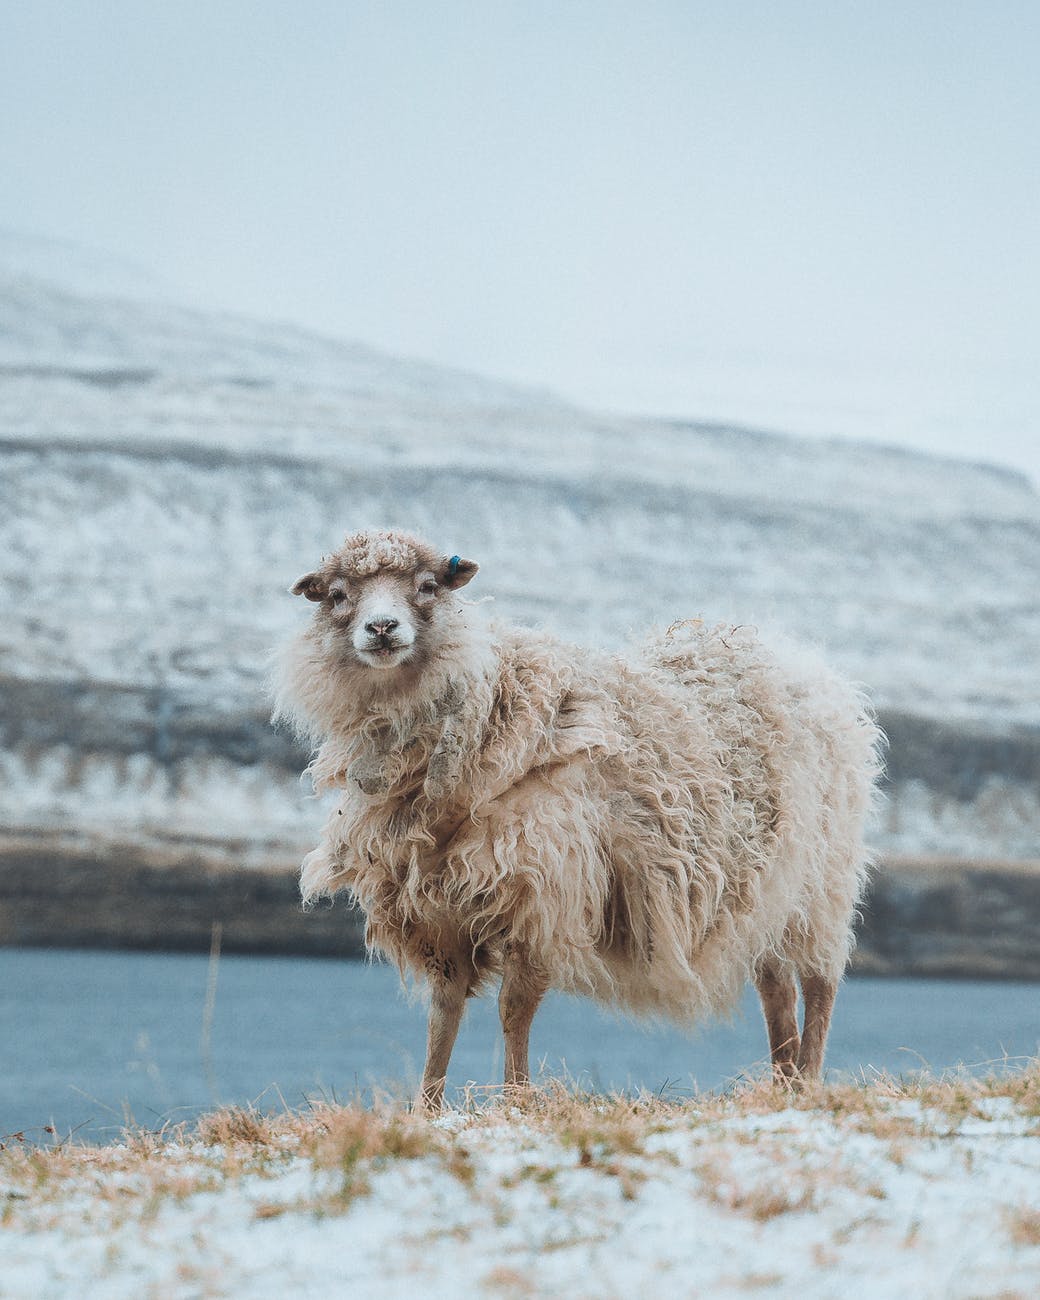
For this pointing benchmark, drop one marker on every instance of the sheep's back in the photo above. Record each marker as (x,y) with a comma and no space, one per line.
(737,811)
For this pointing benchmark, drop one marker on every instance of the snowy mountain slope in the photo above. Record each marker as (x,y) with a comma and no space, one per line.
(78,269)
(165,475)
(121,370)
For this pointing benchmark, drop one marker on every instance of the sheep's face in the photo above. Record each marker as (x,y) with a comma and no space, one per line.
(381,597)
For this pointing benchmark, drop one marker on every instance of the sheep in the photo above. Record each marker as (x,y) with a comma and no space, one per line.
(652,831)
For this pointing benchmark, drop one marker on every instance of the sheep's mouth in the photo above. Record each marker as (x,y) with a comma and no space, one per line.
(384,653)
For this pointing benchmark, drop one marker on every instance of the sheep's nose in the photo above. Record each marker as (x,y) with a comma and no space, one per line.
(381,626)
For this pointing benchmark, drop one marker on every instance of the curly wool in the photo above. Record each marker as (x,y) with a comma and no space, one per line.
(651,830)
(365,553)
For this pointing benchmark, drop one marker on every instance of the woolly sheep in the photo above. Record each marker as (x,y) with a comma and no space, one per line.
(652,831)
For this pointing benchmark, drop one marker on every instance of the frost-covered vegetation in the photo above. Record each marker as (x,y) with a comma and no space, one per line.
(179,465)
(881,1188)
(169,469)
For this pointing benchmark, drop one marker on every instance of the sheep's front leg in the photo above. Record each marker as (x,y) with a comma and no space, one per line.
(818,994)
(523,987)
(449,985)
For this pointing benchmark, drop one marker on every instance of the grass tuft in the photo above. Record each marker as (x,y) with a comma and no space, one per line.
(563,1135)
(1024,1227)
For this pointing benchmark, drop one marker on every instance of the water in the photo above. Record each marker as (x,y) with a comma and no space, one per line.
(90,1040)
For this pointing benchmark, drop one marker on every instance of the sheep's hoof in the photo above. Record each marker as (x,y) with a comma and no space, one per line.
(430,1100)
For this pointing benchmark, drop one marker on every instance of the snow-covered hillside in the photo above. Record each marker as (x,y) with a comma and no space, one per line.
(165,475)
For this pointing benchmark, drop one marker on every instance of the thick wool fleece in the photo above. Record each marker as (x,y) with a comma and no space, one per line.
(651,829)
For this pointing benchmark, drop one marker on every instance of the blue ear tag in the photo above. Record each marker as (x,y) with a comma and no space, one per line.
(453,565)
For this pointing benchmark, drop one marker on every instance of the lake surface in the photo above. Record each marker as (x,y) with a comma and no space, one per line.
(91,1040)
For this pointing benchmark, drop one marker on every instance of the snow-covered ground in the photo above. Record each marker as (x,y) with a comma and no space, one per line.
(879,1191)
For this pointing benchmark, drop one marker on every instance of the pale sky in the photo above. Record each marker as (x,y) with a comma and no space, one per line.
(815,217)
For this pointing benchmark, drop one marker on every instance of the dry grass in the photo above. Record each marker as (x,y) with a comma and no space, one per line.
(608,1136)
(1024,1227)
(507,1281)
(873,1106)
(234,1125)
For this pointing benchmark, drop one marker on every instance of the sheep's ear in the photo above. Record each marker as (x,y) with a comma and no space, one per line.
(456,572)
(311,585)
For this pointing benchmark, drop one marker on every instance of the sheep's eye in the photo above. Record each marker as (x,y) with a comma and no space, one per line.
(428,588)
(338,596)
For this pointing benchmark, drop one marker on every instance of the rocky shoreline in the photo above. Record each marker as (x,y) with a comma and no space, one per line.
(924,917)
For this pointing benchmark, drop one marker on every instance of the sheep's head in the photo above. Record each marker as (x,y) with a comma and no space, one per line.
(381,595)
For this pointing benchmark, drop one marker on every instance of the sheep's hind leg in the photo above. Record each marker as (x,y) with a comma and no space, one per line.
(818,994)
(449,985)
(776,988)
(523,987)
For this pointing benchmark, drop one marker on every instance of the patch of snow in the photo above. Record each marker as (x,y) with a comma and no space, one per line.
(799,1203)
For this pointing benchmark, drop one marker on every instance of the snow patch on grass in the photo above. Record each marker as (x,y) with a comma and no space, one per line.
(930,1189)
